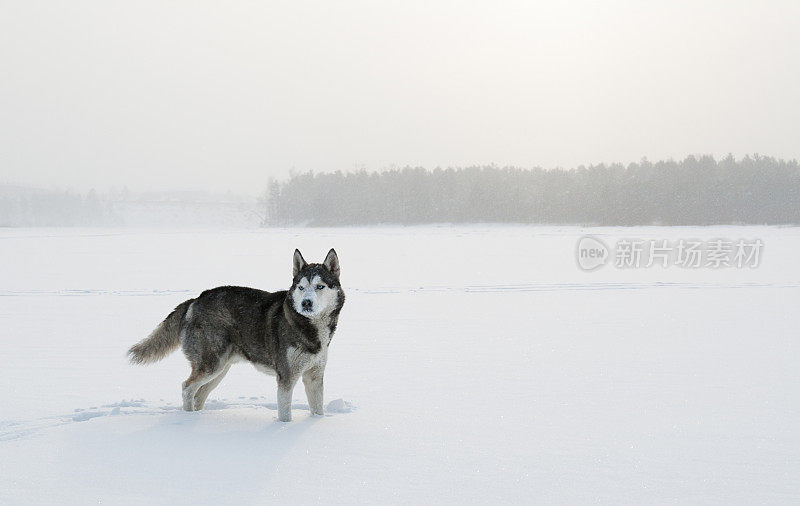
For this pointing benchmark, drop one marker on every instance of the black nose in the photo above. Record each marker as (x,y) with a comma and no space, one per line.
(306,304)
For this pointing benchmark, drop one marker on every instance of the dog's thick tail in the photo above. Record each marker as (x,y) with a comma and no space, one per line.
(163,340)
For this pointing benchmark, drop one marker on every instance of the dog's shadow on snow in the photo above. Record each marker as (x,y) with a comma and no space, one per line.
(249,431)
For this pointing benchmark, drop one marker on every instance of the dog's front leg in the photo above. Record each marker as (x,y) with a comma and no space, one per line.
(285,387)
(312,380)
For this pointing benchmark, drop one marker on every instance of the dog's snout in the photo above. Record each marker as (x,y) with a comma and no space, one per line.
(306,304)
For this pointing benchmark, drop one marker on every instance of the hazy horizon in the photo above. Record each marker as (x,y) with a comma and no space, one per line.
(205,97)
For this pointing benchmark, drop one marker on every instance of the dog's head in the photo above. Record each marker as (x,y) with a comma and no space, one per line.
(316,291)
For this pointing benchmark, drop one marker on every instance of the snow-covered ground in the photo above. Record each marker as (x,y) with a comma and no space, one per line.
(472,364)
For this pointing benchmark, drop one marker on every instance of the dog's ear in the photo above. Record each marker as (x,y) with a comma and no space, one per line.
(298,262)
(332,262)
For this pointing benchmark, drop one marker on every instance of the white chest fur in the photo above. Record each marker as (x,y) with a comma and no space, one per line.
(300,360)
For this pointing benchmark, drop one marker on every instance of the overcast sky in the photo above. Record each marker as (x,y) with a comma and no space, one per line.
(222,95)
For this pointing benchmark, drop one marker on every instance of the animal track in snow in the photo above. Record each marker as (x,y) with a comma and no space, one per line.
(16,429)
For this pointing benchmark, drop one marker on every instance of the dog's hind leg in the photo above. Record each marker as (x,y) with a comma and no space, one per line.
(199,377)
(202,392)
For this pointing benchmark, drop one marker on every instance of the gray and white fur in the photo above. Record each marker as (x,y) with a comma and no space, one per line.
(285,334)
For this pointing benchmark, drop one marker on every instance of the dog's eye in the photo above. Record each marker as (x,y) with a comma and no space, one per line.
(320,287)
(300,288)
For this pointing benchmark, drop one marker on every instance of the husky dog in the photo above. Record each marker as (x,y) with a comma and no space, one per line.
(285,334)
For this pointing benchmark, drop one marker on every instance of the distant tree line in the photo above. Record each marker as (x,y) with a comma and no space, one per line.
(33,207)
(24,206)
(695,191)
